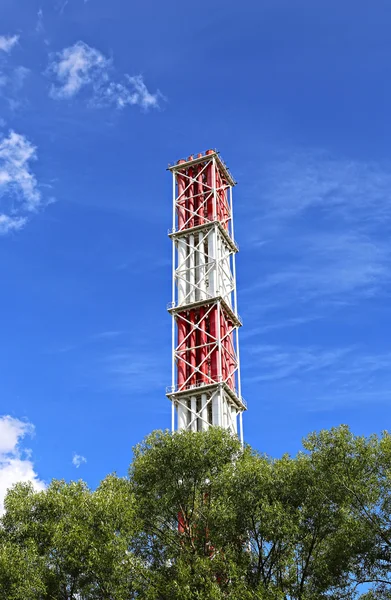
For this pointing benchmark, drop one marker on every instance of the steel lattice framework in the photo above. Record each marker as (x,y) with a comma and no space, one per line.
(206,388)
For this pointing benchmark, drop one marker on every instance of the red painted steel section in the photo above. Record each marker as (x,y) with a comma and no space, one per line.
(223,343)
(192,350)
(203,351)
(214,355)
(188,368)
(181,367)
(232,361)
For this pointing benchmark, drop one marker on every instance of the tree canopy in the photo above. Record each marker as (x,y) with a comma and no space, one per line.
(199,517)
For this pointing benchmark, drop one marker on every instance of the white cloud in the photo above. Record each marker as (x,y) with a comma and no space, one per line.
(11,431)
(140,94)
(19,190)
(16,179)
(81,67)
(135,93)
(7,42)
(8,223)
(113,93)
(76,67)
(78,460)
(15,464)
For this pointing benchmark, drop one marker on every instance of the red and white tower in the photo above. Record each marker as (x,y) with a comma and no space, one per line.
(205,386)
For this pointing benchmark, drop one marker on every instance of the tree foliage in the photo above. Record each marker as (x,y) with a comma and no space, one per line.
(199,517)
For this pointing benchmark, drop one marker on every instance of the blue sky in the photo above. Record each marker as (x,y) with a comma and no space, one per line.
(96,98)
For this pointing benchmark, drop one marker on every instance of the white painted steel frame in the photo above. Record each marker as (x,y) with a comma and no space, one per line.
(187,271)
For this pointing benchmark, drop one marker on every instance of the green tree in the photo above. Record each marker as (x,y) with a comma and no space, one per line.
(175,485)
(80,541)
(21,572)
(215,515)
(296,536)
(359,469)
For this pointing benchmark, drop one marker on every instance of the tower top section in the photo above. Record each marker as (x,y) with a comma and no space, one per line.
(202,187)
(200,158)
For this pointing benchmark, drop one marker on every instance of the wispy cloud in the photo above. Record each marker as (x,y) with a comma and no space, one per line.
(39,27)
(78,460)
(318,378)
(12,78)
(331,265)
(7,42)
(133,92)
(19,191)
(281,323)
(272,363)
(8,224)
(76,67)
(18,77)
(109,334)
(62,4)
(311,180)
(15,462)
(319,260)
(103,337)
(81,67)
(321,231)
(135,371)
